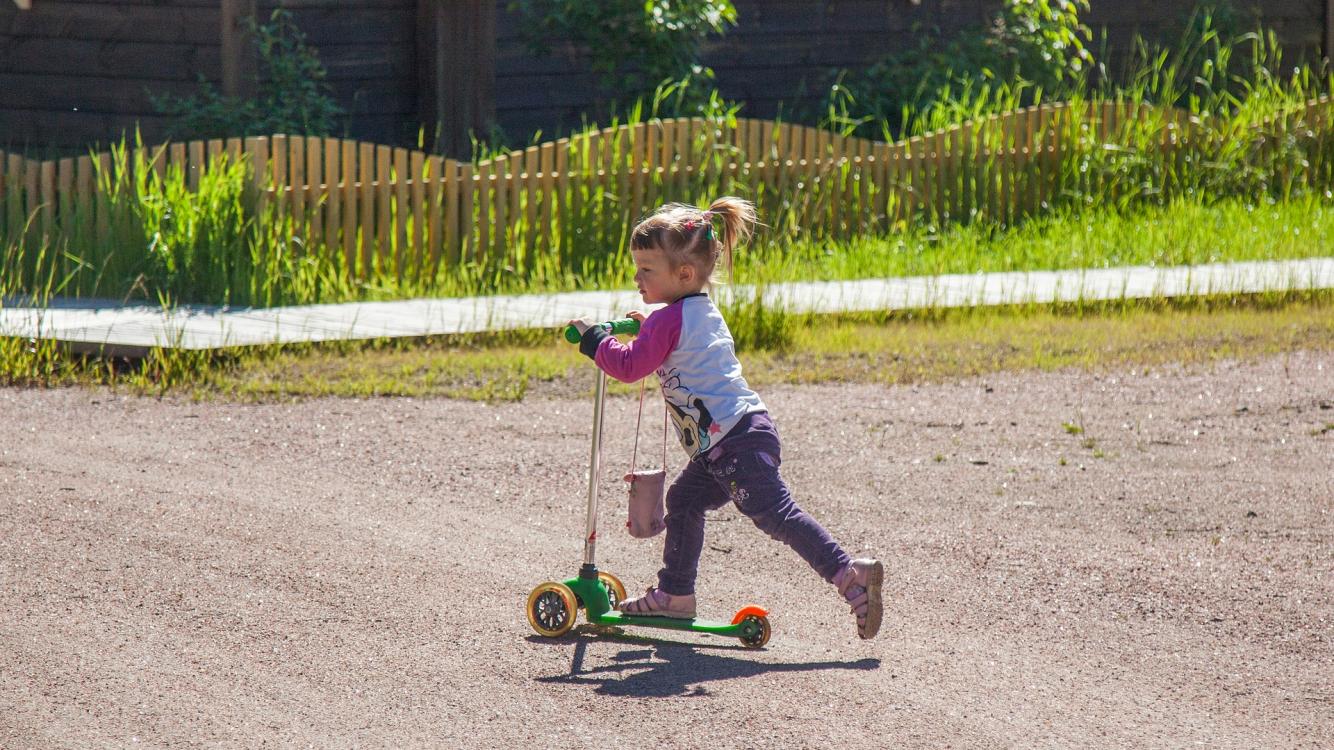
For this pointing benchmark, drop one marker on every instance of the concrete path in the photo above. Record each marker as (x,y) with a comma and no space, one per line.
(131,330)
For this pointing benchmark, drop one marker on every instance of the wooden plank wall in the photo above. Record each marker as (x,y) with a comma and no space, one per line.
(75,72)
(369,49)
(1298,23)
(783,53)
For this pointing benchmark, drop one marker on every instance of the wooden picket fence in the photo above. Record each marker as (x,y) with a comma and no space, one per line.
(394,208)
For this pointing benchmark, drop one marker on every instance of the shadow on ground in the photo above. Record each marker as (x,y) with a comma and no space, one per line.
(662,668)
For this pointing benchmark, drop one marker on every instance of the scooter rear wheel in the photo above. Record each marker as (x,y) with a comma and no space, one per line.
(552,609)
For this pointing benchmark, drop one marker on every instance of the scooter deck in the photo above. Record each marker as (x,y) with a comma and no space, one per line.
(593,595)
(695,625)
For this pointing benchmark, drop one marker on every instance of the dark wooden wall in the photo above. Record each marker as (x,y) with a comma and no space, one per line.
(780,51)
(77,71)
(783,54)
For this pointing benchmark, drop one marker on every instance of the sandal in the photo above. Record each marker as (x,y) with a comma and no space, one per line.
(657,603)
(860,584)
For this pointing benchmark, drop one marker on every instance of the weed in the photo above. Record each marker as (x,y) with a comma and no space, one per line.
(758,324)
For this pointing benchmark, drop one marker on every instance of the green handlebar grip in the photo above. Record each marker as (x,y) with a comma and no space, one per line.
(624,325)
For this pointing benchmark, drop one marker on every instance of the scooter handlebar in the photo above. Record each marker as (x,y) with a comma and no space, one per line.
(624,325)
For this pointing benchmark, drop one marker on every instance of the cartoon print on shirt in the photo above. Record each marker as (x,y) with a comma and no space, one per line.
(669,379)
(693,429)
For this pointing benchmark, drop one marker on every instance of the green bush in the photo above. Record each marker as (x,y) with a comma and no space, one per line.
(632,45)
(292,95)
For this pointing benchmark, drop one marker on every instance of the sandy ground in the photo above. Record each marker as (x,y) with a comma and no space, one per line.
(341,573)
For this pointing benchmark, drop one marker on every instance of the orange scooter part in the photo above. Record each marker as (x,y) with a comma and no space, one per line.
(747,611)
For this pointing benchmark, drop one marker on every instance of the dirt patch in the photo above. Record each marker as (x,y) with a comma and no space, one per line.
(350,573)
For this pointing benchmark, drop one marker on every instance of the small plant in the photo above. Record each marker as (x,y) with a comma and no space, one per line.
(292,93)
(631,45)
(755,324)
(1072,429)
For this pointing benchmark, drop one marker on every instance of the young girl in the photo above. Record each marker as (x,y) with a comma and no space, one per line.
(722,424)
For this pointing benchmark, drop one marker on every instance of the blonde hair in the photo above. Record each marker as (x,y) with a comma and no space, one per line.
(686,233)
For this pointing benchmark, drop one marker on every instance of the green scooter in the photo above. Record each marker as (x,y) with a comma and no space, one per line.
(553,606)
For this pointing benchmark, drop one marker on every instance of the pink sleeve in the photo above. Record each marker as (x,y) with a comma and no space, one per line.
(657,338)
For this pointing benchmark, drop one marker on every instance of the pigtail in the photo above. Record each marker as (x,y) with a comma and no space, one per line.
(738,224)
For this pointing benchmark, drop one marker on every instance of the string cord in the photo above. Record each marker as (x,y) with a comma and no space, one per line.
(639,418)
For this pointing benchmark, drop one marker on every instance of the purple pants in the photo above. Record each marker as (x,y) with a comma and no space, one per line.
(743,469)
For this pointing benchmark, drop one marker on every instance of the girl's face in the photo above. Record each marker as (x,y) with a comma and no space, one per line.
(659,280)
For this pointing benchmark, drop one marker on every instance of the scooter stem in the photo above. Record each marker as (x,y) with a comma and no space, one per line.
(594,469)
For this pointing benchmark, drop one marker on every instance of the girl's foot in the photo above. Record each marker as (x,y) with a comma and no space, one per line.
(658,603)
(860,583)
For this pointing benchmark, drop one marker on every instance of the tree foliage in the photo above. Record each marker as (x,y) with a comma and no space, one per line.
(632,45)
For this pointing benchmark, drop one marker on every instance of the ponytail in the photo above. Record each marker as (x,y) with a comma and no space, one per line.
(738,224)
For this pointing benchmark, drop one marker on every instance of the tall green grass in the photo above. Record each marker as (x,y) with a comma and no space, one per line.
(150,236)
(1186,231)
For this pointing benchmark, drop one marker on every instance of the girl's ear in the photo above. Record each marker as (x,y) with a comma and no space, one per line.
(686,272)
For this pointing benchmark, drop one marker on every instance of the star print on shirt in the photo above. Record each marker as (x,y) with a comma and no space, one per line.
(714,429)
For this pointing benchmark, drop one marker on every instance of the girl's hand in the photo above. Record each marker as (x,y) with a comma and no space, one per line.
(580,325)
(637,315)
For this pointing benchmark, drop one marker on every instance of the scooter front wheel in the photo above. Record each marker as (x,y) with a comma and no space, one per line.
(758,625)
(551,609)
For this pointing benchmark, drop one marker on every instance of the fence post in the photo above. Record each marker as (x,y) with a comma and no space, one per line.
(451,188)
(316,201)
(238,55)
(530,170)
(425,177)
(467,226)
(333,191)
(366,202)
(278,151)
(383,209)
(456,69)
(402,178)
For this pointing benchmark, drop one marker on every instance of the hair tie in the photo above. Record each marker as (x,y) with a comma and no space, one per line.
(691,225)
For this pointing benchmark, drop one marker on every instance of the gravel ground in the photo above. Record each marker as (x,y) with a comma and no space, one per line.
(339,573)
